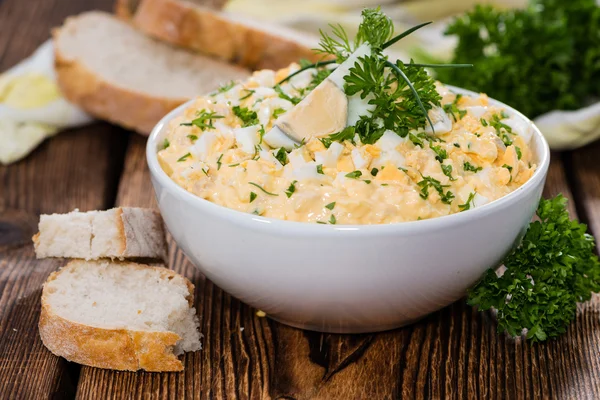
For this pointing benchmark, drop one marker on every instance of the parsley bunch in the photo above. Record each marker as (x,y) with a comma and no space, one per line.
(544,57)
(552,270)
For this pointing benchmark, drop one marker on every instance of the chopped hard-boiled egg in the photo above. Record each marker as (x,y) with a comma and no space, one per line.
(264,155)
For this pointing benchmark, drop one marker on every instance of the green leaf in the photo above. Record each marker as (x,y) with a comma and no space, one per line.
(553,268)
(354,174)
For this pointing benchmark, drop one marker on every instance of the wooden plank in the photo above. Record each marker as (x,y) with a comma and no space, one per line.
(75,169)
(455,353)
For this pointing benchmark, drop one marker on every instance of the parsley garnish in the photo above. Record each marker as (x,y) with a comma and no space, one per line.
(428,182)
(277,112)
(224,88)
(345,134)
(330,206)
(554,268)
(184,157)
(447,170)
(562,75)
(320,169)
(502,130)
(467,205)
(252,196)
(205,171)
(374,171)
(467,166)
(282,156)
(204,120)
(456,145)
(193,138)
(261,188)
(285,96)
(483,122)
(166,144)
(453,109)
(219,162)
(518,151)
(291,189)
(234,165)
(441,154)
(247,116)
(354,174)
(332,220)
(508,167)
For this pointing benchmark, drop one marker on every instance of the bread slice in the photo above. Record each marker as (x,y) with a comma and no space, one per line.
(122,316)
(124,232)
(251,44)
(127,8)
(118,74)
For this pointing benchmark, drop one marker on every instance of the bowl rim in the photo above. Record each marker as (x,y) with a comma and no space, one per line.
(297,227)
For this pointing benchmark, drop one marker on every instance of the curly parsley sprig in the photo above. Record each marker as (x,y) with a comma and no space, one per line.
(552,270)
(401,99)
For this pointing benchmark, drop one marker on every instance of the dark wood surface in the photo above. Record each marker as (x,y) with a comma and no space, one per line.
(454,353)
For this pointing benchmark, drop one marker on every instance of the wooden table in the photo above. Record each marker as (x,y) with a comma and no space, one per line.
(454,353)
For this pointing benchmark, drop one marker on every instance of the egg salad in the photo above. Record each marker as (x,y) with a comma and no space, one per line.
(355,139)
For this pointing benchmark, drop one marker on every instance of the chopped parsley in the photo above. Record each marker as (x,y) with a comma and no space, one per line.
(467,205)
(166,144)
(332,220)
(429,182)
(248,117)
(456,145)
(467,166)
(374,171)
(234,165)
(277,112)
(518,151)
(508,167)
(320,169)
(447,170)
(205,171)
(502,130)
(184,157)
(291,189)
(441,154)
(219,162)
(193,138)
(354,174)
(224,88)
(483,122)
(367,181)
(282,156)
(252,196)
(285,96)
(453,110)
(330,206)
(204,120)
(261,188)
(345,134)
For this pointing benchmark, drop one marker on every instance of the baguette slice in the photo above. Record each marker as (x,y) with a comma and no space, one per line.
(121,233)
(127,8)
(122,316)
(251,44)
(118,74)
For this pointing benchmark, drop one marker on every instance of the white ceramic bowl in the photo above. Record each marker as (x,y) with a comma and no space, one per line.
(345,278)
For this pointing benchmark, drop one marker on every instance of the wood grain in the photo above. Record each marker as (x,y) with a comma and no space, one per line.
(455,353)
(74,169)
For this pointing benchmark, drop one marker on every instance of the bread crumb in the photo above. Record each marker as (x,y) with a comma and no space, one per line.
(261,314)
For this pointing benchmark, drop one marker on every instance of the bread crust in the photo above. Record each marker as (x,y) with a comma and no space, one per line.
(184,24)
(137,111)
(120,349)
